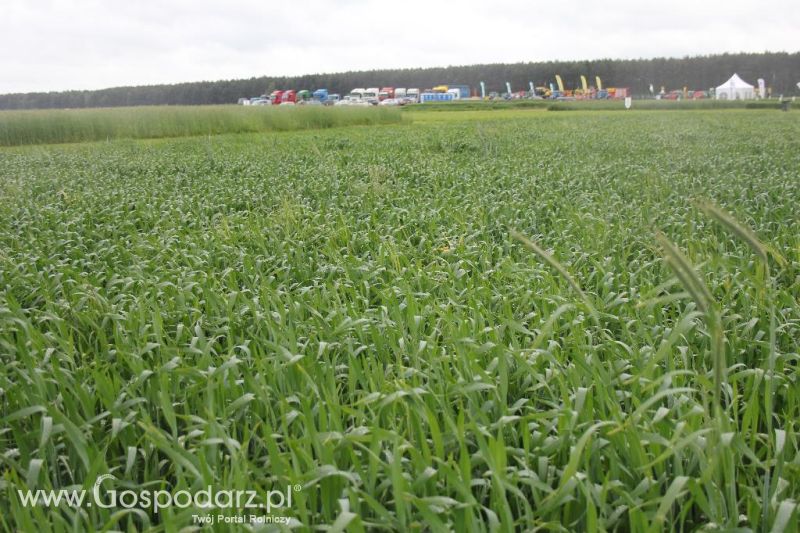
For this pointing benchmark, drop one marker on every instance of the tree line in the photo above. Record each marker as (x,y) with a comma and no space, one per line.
(780,70)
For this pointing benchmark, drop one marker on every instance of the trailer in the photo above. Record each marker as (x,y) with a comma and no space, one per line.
(463,91)
(436,97)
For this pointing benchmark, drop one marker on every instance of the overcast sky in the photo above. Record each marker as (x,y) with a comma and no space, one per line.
(89,44)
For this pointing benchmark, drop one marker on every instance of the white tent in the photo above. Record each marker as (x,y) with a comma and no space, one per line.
(735,89)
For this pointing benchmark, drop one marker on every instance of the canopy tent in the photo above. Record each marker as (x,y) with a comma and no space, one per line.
(735,89)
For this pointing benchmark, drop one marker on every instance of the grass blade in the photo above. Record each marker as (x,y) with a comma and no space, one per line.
(557,266)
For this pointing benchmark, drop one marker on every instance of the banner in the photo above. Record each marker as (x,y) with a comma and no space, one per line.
(762,88)
(483,91)
(560,84)
(599,83)
(508,86)
(584,85)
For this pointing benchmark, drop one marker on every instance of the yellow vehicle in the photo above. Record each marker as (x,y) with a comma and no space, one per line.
(440,89)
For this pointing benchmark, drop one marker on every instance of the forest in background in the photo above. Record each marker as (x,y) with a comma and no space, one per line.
(780,70)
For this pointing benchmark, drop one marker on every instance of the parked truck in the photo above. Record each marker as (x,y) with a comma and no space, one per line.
(288,97)
(386,93)
(371,95)
(275,97)
(322,96)
(413,94)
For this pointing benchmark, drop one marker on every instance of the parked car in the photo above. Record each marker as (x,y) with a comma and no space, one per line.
(350,100)
(390,101)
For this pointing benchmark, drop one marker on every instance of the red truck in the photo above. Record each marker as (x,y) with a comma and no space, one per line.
(386,93)
(289,96)
(282,97)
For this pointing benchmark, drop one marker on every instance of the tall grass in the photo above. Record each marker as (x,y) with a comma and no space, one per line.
(592,105)
(661,105)
(81,125)
(763,252)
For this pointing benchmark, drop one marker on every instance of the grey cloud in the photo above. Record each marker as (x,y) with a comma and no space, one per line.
(62,44)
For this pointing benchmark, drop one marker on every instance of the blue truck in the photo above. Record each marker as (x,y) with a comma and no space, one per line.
(322,96)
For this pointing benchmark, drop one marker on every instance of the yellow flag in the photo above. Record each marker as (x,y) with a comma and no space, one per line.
(584,85)
(560,83)
(599,83)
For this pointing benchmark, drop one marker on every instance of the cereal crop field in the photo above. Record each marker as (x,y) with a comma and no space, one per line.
(585,320)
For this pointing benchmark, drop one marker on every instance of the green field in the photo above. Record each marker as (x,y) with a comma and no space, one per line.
(151,122)
(595,105)
(346,310)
